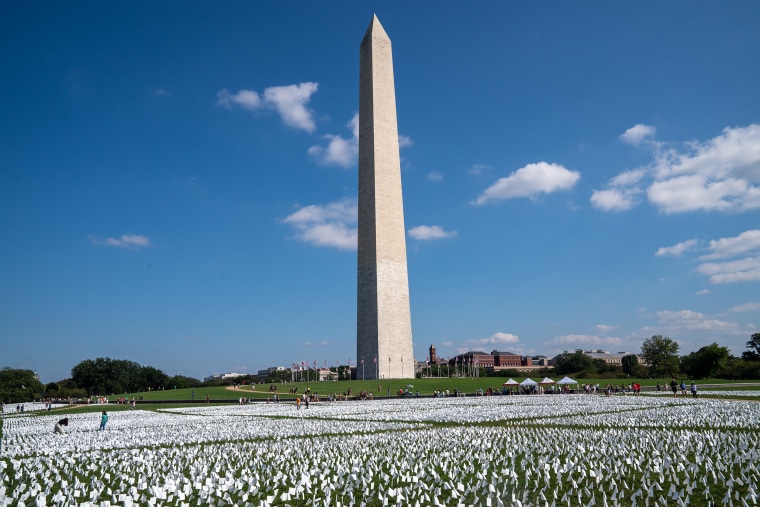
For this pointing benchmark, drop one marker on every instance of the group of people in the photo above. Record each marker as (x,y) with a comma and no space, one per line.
(64,423)
(674,386)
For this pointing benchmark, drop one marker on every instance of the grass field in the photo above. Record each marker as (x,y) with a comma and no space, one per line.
(425,386)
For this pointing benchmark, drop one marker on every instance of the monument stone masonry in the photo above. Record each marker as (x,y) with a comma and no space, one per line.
(383,317)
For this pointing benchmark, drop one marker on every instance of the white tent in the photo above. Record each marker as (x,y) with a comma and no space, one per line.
(510,382)
(567,380)
(547,380)
(528,385)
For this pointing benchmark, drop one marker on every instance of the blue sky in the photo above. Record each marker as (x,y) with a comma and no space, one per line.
(178,180)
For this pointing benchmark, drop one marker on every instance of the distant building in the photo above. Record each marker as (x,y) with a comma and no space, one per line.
(224,376)
(496,360)
(326,374)
(613,358)
(263,374)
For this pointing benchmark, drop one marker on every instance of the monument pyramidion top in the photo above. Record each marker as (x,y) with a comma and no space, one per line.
(375,30)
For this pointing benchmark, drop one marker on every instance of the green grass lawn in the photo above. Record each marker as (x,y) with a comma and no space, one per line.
(381,389)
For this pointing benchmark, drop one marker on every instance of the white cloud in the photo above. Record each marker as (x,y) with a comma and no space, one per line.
(685,321)
(434,176)
(331,225)
(730,247)
(162,93)
(495,339)
(289,101)
(426,232)
(530,181)
(405,141)
(694,192)
(246,99)
(746,269)
(479,168)
(638,133)
(344,151)
(614,199)
(745,307)
(583,341)
(702,292)
(340,151)
(676,250)
(323,343)
(131,241)
(628,178)
(604,328)
(721,174)
(742,270)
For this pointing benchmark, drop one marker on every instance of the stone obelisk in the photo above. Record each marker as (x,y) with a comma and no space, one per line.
(383,318)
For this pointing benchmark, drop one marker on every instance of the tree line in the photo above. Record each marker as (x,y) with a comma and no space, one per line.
(101,376)
(106,376)
(660,358)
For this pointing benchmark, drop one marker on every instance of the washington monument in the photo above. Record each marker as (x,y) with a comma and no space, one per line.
(383,318)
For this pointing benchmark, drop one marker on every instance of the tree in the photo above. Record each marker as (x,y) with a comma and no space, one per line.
(706,362)
(629,363)
(574,362)
(115,376)
(753,354)
(182,382)
(661,353)
(19,385)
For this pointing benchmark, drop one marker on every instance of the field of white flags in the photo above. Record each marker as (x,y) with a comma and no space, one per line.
(565,450)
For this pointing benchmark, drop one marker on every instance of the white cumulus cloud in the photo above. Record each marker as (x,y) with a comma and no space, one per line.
(479,168)
(572,341)
(131,241)
(745,307)
(745,242)
(331,225)
(426,232)
(344,151)
(726,268)
(340,151)
(676,250)
(683,321)
(721,174)
(495,339)
(742,270)
(529,181)
(638,133)
(615,199)
(289,101)
(434,176)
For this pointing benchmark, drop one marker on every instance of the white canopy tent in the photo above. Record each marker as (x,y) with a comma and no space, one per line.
(528,385)
(547,382)
(510,382)
(567,381)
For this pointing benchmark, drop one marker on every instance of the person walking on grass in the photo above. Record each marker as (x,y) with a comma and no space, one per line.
(674,387)
(694,389)
(103,421)
(298,403)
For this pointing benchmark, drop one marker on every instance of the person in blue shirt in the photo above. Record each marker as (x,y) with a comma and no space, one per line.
(103,421)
